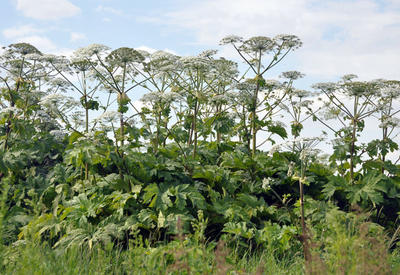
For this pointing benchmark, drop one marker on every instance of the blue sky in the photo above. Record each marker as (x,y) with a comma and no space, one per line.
(340,36)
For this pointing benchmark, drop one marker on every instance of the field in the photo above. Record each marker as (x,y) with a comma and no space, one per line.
(202,175)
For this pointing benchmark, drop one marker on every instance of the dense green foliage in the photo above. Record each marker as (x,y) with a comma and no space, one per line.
(84,170)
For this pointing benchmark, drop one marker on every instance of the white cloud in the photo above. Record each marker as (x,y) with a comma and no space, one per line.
(42,43)
(47,9)
(102,8)
(152,50)
(359,36)
(145,48)
(14,32)
(76,36)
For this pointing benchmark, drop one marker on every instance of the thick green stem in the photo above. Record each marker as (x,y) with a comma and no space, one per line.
(195,127)
(305,237)
(352,150)
(86,120)
(218,131)
(254,107)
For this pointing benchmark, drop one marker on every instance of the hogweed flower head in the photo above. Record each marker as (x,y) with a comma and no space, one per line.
(194,62)
(208,53)
(123,56)
(162,62)
(389,122)
(92,49)
(287,41)
(58,135)
(231,39)
(257,44)
(349,77)
(266,184)
(292,75)
(23,49)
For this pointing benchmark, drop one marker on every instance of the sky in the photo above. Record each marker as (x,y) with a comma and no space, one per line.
(340,36)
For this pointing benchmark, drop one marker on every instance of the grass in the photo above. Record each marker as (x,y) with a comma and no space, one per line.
(349,254)
(349,244)
(173,258)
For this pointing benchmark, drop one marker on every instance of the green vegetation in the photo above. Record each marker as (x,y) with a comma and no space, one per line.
(93,182)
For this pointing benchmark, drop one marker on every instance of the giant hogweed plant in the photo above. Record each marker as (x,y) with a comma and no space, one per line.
(194,88)
(296,104)
(76,74)
(222,79)
(352,103)
(387,106)
(142,181)
(351,116)
(253,51)
(20,75)
(160,71)
(31,140)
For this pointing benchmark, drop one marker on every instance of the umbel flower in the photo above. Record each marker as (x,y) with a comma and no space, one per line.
(108,117)
(292,75)
(162,62)
(304,146)
(93,49)
(23,49)
(389,121)
(208,53)
(194,62)
(257,44)
(231,39)
(122,56)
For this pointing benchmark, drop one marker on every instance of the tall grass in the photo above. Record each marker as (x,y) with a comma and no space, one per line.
(349,244)
(172,258)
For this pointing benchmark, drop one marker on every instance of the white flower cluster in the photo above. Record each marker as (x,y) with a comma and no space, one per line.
(60,84)
(52,99)
(162,55)
(300,93)
(144,53)
(224,69)
(162,62)
(8,110)
(331,112)
(90,50)
(58,102)
(230,39)
(124,56)
(292,75)
(266,184)
(390,91)
(272,84)
(157,97)
(108,117)
(195,62)
(349,77)
(208,53)
(219,99)
(301,145)
(288,41)
(44,117)
(246,86)
(257,43)
(325,86)
(33,56)
(55,59)
(389,122)
(58,134)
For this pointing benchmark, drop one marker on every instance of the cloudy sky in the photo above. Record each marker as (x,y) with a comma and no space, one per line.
(340,36)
